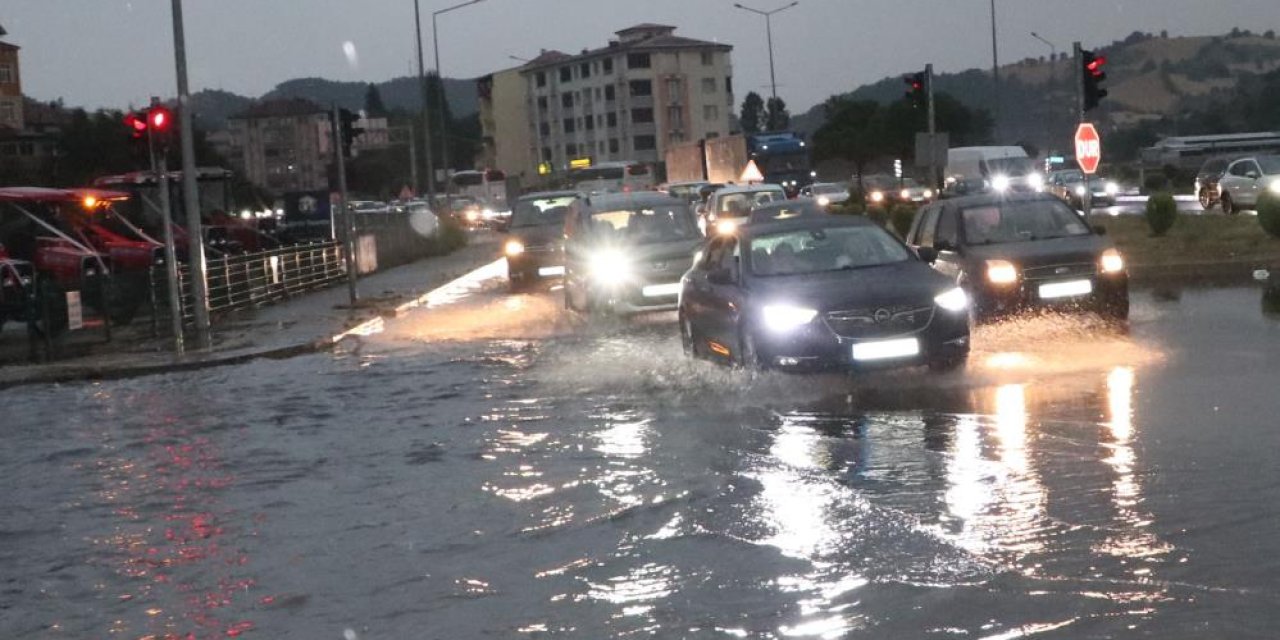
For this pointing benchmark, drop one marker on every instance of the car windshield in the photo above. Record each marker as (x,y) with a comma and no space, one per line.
(685,191)
(1064,177)
(1270,164)
(829,189)
(879,182)
(646,225)
(736,205)
(1021,222)
(1008,166)
(823,250)
(540,212)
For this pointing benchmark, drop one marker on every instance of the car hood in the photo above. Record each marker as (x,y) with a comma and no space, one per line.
(905,283)
(663,251)
(1044,252)
(539,235)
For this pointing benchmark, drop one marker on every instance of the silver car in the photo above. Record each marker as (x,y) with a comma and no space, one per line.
(1246,180)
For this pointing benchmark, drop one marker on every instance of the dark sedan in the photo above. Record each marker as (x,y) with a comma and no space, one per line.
(818,292)
(1018,251)
(533,248)
(625,253)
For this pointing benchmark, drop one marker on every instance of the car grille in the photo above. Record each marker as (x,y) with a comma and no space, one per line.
(541,248)
(1059,271)
(879,321)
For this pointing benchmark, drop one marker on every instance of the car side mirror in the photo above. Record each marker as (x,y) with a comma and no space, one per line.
(1252,175)
(928,255)
(1099,229)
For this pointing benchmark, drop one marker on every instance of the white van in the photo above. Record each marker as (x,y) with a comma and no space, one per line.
(997,168)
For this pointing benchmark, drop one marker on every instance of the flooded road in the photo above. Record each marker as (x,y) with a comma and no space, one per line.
(491,467)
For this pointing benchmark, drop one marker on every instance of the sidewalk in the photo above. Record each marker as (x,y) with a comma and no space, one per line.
(306,324)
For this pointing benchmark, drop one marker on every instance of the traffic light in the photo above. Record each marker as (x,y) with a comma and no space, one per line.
(136,122)
(916,93)
(156,122)
(1093,77)
(348,130)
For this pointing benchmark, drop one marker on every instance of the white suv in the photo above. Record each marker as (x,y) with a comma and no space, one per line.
(1246,180)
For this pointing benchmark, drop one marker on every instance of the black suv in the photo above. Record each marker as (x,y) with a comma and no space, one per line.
(1207,181)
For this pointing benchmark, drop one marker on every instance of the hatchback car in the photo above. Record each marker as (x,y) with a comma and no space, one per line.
(1246,180)
(731,206)
(533,247)
(625,253)
(1015,251)
(827,193)
(1069,185)
(820,292)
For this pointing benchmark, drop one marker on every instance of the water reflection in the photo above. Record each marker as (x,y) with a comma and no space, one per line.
(1131,538)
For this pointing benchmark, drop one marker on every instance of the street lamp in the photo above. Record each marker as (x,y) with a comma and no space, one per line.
(768,26)
(435,40)
(426,119)
(1053,59)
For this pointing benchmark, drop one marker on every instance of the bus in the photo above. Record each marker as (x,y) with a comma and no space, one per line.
(1189,152)
(487,187)
(612,177)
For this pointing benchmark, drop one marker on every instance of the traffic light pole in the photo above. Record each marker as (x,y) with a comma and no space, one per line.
(1086,199)
(348,227)
(190,191)
(933,127)
(160,166)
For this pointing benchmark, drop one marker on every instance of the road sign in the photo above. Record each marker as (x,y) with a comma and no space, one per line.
(1088,148)
(751,174)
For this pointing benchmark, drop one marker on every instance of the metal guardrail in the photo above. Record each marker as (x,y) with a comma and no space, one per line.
(247,281)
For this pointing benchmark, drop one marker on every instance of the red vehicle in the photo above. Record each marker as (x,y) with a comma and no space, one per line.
(98,225)
(16,279)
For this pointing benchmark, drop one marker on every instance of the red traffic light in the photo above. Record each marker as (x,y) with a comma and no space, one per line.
(137,124)
(159,118)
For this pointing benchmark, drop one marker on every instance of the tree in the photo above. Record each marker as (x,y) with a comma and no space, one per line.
(776,117)
(373,105)
(752,116)
(853,132)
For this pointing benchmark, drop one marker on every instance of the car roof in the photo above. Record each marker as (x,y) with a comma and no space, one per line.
(546,195)
(623,200)
(737,188)
(800,222)
(998,198)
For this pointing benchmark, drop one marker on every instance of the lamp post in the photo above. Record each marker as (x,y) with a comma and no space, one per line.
(435,40)
(995,68)
(1053,58)
(190,190)
(426,119)
(768,26)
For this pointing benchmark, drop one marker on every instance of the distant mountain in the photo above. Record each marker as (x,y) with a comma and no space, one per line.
(213,107)
(1149,76)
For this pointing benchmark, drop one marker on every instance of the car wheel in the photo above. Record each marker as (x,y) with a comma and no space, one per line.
(748,358)
(515,283)
(1206,201)
(1117,310)
(949,363)
(687,337)
(1228,207)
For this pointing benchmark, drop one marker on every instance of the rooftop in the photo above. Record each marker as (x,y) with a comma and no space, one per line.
(640,38)
(279,109)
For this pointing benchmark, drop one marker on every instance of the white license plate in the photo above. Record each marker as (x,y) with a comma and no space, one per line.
(551,271)
(661,290)
(1070,289)
(886,349)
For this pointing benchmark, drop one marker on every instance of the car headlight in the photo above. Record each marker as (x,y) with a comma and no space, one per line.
(1036,181)
(953,300)
(1080,190)
(877,196)
(488,214)
(1112,261)
(514,248)
(928,193)
(1111,188)
(905,194)
(1000,183)
(1275,187)
(1001,272)
(726,226)
(473,215)
(785,317)
(823,201)
(610,267)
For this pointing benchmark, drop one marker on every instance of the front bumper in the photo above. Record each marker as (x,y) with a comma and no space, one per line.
(1108,291)
(535,265)
(818,347)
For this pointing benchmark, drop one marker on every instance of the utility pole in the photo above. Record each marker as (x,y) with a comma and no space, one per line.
(413,157)
(1086,199)
(348,236)
(995,70)
(768,27)
(190,192)
(441,94)
(933,127)
(426,114)
(160,167)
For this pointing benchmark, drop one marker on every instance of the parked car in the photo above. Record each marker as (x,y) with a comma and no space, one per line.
(820,292)
(730,206)
(625,253)
(534,246)
(1207,180)
(1016,251)
(1247,179)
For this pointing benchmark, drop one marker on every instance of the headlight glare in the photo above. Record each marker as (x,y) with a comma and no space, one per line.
(953,300)
(610,267)
(823,201)
(1080,190)
(928,193)
(905,194)
(1036,181)
(1001,272)
(514,248)
(1000,182)
(785,317)
(877,196)
(1112,188)
(1275,187)
(1112,261)
(727,226)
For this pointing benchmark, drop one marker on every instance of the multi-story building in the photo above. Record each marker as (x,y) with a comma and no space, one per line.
(10,87)
(629,100)
(282,145)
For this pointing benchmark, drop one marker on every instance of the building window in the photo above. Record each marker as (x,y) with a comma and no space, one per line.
(675,117)
(728,85)
(708,85)
(571,149)
(542,103)
(613,145)
(8,114)
(641,88)
(566,74)
(645,143)
(674,90)
(610,93)
(607,64)
(599,94)
(545,129)
(711,112)
(541,79)
(6,74)
(590,124)
(638,61)
(708,58)
(641,116)
(546,154)
(568,125)
(566,100)
(585,70)
(612,119)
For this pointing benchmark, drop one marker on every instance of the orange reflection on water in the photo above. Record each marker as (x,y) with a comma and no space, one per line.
(1131,539)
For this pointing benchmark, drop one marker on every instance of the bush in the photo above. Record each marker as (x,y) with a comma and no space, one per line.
(901,217)
(1162,212)
(849,208)
(1269,214)
(879,215)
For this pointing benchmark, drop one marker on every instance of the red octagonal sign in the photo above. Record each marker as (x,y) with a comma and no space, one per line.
(1088,148)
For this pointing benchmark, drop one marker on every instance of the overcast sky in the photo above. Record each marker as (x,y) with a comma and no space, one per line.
(119,52)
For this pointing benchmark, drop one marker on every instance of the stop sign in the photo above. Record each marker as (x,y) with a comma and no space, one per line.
(1088,148)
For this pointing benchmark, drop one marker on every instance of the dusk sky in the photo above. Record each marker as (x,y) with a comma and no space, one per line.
(119,52)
